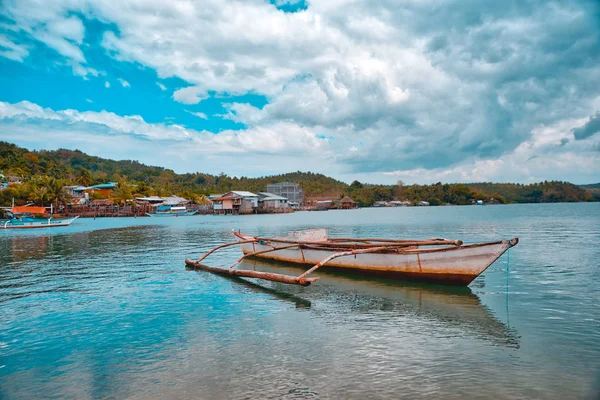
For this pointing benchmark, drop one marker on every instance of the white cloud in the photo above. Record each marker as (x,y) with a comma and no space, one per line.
(410,86)
(198,114)
(190,95)
(161,86)
(11,50)
(551,153)
(123,82)
(169,145)
(266,139)
(107,84)
(52,25)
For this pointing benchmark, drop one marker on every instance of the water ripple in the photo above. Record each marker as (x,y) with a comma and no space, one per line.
(106,309)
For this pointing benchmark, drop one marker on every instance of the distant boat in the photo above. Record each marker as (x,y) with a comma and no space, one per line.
(171,211)
(33,217)
(448,262)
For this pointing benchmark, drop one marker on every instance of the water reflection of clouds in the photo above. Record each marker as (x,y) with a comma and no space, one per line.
(111,312)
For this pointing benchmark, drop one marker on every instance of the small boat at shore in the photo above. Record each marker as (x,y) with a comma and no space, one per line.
(448,262)
(171,211)
(33,217)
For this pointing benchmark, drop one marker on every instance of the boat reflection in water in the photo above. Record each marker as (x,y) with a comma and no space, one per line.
(276,293)
(340,298)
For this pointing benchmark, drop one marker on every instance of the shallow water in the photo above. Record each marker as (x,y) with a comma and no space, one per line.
(106,309)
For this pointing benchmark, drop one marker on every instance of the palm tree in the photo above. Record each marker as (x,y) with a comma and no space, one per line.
(202,199)
(160,191)
(39,195)
(123,193)
(142,189)
(56,191)
(84,178)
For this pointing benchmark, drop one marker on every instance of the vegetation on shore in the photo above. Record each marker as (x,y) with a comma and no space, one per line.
(45,173)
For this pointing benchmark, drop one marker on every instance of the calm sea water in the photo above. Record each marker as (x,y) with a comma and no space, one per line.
(106,309)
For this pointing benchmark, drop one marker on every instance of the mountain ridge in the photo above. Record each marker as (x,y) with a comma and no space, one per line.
(77,167)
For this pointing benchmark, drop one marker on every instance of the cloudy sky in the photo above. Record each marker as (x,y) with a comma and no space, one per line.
(381,90)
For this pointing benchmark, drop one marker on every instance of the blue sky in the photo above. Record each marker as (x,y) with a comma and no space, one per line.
(375,91)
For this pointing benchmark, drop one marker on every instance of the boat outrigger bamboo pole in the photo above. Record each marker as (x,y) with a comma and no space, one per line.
(341,254)
(293,280)
(263,252)
(351,249)
(302,281)
(225,245)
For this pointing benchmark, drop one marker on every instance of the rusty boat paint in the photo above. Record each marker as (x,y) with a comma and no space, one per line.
(456,265)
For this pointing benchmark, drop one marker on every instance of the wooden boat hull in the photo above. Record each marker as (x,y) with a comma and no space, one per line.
(458,265)
(29,224)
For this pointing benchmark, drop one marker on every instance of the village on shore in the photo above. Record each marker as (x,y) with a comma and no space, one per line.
(284,197)
(80,194)
(99,201)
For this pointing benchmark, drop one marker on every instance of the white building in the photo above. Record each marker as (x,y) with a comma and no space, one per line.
(272,201)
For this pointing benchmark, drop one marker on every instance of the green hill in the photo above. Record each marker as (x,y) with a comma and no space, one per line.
(75,167)
(543,192)
(45,172)
(593,188)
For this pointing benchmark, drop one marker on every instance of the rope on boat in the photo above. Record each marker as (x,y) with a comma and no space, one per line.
(507,274)
(507,267)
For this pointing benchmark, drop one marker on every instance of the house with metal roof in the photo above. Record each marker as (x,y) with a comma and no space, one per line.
(167,201)
(150,199)
(236,202)
(104,188)
(270,201)
(107,185)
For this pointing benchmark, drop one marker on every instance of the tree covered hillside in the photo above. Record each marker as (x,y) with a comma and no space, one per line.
(45,172)
(73,167)
(543,192)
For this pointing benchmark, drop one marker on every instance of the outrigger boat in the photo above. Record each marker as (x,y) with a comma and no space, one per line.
(171,211)
(33,217)
(448,262)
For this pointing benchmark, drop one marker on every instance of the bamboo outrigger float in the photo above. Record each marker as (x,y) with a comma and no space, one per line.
(442,261)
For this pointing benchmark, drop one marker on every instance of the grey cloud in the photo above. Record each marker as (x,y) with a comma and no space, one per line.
(589,128)
(437,43)
(540,62)
(398,85)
